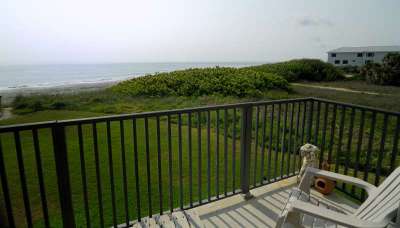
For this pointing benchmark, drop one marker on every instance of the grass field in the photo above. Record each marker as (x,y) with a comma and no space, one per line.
(125,105)
(75,171)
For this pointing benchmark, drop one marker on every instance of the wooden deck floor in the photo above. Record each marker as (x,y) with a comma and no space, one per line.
(260,211)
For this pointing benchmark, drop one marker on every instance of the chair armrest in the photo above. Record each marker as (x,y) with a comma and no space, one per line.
(312,172)
(332,216)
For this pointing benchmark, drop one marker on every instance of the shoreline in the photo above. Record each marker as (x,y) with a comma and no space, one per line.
(9,93)
(7,96)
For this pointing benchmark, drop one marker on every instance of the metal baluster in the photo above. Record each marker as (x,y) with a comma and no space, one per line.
(271,131)
(310,121)
(217,154)
(160,191)
(359,147)
(24,187)
(180,160)
(256,146)
(208,156)
(381,154)
(303,127)
(83,171)
(303,124)
(171,195)
(62,170)
(290,146)
(284,139)
(349,143)
(332,134)
(264,121)
(124,175)
(316,130)
(245,149)
(341,129)
(98,177)
(323,141)
(190,159)
(6,191)
(111,173)
(148,173)
(296,138)
(225,152)
(395,146)
(278,129)
(135,156)
(369,150)
(234,151)
(199,155)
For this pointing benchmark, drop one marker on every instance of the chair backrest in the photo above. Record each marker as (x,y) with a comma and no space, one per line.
(383,203)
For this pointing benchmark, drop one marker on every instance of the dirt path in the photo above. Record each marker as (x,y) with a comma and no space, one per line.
(7,114)
(340,89)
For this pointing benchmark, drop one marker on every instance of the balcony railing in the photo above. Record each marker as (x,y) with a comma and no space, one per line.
(113,170)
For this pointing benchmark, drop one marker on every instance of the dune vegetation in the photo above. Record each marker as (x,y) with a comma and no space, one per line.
(302,69)
(208,81)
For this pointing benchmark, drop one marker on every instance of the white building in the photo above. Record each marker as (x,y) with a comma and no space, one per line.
(358,56)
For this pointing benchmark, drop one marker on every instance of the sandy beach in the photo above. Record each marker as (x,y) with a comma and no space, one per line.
(9,94)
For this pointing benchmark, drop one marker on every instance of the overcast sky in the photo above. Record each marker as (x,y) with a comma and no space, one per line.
(97,31)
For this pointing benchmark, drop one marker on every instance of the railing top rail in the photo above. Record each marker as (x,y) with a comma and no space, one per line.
(366,108)
(46,124)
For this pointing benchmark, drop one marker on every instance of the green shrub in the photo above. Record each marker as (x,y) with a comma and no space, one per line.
(350,69)
(208,81)
(36,106)
(20,102)
(302,69)
(387,73)
(372,72)
(58,105)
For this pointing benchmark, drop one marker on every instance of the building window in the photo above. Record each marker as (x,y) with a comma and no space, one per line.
(333,54)
(370,54)
(345,61)
(368,61)
(337,61)
(360,54)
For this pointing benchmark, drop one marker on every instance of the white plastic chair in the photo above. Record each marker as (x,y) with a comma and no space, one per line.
(378,210)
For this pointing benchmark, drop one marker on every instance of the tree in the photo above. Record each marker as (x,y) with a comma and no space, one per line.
(387,73)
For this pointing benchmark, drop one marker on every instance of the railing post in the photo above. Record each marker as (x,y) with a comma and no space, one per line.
(245,148)
(64,186)
(309,121)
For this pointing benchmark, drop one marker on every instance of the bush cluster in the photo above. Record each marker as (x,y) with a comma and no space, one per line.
(350,69)
(28,104)
(302,69)
(223,81)
(387,73)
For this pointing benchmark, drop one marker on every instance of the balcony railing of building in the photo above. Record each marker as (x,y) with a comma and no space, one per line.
(112,170)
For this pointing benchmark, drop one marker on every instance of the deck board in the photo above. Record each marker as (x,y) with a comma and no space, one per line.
(260,211)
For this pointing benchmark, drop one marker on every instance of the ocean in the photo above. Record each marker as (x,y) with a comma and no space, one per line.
(45,76)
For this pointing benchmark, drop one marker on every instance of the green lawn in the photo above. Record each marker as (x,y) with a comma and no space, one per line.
(126,105)
(75,172)
(388,100)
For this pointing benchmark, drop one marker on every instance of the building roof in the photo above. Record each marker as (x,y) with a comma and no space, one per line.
(367,49)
